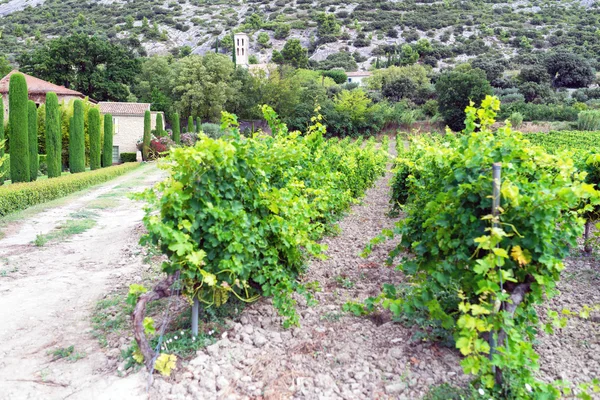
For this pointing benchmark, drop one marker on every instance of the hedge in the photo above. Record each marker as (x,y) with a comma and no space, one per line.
(128,157)
(20,196)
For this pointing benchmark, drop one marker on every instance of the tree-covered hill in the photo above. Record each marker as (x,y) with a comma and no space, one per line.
(456,30)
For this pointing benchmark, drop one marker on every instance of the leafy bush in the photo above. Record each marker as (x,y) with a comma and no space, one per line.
(239,215)
(128,157)
(588,121)
(19,196)
(516,119)
(500,266)
(540,112)
(212,130)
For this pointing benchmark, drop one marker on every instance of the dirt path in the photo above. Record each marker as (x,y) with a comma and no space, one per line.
(48,292)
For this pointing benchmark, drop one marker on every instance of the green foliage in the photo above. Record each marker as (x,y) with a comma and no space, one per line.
(32,126)
(159,125)
(456,89)
(339,76)
(213,131)
(239,215)
(77,139)
(53,136)
(569,70)
(107,146)
(516,119)
(292,54)
(499,268)
(190,124)
(2,138)
(20,196)
(128,157)
(147,135)
(95,140)
(588,121)
(90,64)
(176,129)
(19,130)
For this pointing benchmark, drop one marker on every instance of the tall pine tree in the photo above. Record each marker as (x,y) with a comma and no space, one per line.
(77,139)
(94,131)
(107,150)
(19,128)
(176,130)
(32,126)
(53,136)
(147,134)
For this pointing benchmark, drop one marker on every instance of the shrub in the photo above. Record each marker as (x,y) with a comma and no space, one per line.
(19,196)
(94,133)
(128,157)
(212,130)
(19,131)
(176,129)
(107,150)
(32,126)
(588,121)
(53,136)
(516,119)
(77,139)
(147,135)
(338,75)
(198,125)
(43,163)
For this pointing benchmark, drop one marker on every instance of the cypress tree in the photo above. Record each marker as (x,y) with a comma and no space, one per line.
(2,145)
(198,125)
(77,139)
(147,134)
(53,136)
(190,128)
(107,155)
(176,131)
(94,131)
(19,131)
(32,125)
(159,125)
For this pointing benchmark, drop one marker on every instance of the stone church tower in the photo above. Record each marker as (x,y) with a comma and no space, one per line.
(242,47)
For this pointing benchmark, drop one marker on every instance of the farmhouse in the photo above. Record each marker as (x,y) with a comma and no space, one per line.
(37,91)
(358,77)
(128,122)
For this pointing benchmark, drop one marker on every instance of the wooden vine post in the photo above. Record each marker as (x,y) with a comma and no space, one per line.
(496,185)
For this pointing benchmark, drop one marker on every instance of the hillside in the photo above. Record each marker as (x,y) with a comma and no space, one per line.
(457,30)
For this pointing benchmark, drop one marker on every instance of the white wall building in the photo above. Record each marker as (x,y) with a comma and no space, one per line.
(358,77)
(242,48)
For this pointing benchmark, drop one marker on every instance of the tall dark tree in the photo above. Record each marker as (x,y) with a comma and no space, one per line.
(77,139)
(456,89)
(107,147)
(19,128)
(32,126)
(91,65)
(159,125)
(176,129)
(292,54)
(94,132)
(147,134)
(53,136)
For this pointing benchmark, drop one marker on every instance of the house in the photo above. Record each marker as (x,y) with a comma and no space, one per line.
(358,77)
(37,91)
(128,124)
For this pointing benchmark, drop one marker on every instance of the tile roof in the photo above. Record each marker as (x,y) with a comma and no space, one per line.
(107,107)
(37,86)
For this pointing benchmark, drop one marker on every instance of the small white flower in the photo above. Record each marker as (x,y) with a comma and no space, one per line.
(193,339)
(528,387)
(481,391)
(175,337)
(182,333)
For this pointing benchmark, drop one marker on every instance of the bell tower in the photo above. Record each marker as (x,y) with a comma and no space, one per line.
(242,46)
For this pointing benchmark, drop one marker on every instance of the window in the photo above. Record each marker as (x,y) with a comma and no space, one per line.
(238,42)
(238,51)
(115,125)
(242,51)
(349,80)
(242,42)
(115,158)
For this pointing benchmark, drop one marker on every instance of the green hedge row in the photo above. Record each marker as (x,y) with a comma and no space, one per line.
(19,196)
(5,167)
(128,157)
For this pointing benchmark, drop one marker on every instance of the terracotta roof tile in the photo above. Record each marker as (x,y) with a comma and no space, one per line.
(359,73)
(114,108)
(37,86)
